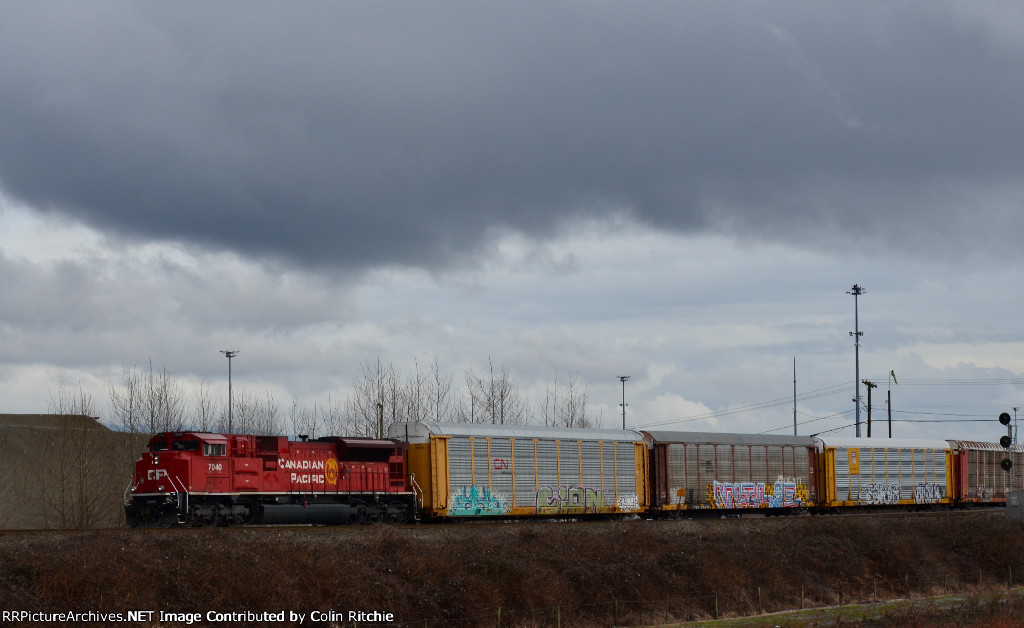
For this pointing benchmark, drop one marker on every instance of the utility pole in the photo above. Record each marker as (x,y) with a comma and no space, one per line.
(888,399)
(856,291)
(794,395)
(623,379)
(229,355)
(870,385)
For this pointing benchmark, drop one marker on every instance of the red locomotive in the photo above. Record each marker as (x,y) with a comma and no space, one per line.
(197,478)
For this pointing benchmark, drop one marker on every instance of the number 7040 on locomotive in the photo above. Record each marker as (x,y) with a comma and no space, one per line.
(197,478)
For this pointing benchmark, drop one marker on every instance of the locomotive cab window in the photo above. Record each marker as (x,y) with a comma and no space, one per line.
(185,445)
(211,449)
(158,445)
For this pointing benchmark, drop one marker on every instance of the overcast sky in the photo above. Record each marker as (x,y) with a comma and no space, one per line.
(681,192)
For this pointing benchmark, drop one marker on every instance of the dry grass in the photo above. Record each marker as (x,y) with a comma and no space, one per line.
(461,575)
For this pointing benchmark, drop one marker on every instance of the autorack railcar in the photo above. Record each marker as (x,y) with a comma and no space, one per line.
(698,470)
(472,470)
(979,478)
(859,472)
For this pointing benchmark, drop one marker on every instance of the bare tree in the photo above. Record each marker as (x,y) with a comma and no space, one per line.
(163,402)
(565,404)
(9,488)
(126,402)
(333,418)
(79,478)
(493,399)
(303,420)
(574,405)
(376,392)
(203,414)
(441,406)
(415,396)
(238,417)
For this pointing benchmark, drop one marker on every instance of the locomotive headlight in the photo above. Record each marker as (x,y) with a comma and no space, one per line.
(160,488)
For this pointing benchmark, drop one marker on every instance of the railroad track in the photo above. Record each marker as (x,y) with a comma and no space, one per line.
(703,516)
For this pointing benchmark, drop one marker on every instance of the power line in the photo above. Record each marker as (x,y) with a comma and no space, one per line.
(941,420)
(983,381)
(837,388)
(813,420)
(990,416)
(813,394)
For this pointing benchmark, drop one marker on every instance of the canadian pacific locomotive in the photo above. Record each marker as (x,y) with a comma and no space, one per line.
(195,478)
(438,471)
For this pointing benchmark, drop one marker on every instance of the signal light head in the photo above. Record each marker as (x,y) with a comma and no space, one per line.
(1004,418)
(1005,442)
(1006,464)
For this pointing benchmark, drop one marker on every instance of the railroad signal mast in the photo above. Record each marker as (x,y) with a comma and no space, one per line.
(1006,464)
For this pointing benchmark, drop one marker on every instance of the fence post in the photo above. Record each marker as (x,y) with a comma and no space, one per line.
(760,609)
(801,597)
(874,589)
(716,604)
(499,617)
(840,592)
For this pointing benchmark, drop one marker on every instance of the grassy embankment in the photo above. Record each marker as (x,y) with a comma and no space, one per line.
(536,573)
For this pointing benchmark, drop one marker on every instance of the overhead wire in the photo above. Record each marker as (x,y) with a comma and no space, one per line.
(838,388)
(812,394)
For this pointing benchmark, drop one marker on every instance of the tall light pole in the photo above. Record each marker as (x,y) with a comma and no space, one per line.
(229,354)
(888,399)
(856,291)
(623,378)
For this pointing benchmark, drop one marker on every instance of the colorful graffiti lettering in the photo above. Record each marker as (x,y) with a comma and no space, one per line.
(562,500)
(801,496)
(880,494)
(475,500)
(781,494)
(927,493)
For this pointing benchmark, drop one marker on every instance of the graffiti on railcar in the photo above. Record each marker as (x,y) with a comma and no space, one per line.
(781,494)
(881,494)
(927,493)
(475,500)
(562,500)
(628,502)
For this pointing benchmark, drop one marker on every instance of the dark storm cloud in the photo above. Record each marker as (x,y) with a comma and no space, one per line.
(366,133)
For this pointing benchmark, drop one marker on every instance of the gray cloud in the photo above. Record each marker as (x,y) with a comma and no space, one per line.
(354,135)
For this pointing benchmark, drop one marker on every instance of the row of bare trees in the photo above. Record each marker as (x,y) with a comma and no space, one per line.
(68,472)
(72,472)
(148,401)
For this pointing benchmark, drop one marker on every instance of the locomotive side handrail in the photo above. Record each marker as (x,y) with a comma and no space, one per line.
(128,489)
(183,510)
(416,488)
